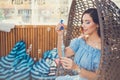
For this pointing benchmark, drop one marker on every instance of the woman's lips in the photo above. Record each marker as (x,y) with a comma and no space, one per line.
(85,30)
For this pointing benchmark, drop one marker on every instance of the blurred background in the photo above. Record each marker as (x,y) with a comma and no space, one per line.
(36,12)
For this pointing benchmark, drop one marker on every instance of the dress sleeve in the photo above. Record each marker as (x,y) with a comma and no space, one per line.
(74,44)
(97,62)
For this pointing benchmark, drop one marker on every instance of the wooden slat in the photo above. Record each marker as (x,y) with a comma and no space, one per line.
(42,38)
(39,42)
(2,44)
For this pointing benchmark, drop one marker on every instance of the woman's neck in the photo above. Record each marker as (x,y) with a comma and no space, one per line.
(94,41)
(94,37)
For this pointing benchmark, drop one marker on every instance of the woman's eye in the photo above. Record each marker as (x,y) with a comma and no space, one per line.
(87,22)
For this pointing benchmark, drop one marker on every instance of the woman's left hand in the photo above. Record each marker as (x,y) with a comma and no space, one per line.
(67,63)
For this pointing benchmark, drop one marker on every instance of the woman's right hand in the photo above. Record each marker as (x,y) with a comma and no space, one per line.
(67,63)
(60,32)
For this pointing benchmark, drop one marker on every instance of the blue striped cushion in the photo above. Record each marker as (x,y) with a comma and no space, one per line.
(17,64)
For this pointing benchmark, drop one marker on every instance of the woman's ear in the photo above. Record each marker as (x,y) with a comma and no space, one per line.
(97,26)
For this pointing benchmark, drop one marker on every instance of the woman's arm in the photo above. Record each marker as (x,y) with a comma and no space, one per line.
(68,63)
(68,51)
(88,74)
(59,45)
(85,73)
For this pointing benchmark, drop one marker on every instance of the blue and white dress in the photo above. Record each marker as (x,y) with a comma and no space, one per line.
(86,57)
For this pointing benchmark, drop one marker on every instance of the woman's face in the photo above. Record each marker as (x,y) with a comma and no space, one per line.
(88,25)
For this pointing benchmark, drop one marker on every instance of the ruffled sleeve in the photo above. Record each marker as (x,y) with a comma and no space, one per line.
(74,44)
(97,61)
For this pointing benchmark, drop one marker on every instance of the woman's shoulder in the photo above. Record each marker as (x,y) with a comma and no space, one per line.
(78,40)
(83,37)
(83,40)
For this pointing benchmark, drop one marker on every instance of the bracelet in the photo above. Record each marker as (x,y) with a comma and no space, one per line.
(79,71)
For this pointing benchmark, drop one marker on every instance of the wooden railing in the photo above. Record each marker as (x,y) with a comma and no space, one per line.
(42,38)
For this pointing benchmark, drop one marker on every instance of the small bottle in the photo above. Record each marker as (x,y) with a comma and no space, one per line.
(62,27)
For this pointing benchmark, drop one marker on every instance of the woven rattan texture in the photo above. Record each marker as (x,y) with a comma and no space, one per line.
(110,30)
(109,18)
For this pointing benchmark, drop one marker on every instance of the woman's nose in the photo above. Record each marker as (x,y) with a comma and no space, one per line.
(83,25)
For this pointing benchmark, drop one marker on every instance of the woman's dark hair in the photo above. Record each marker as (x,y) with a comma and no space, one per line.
(94,14)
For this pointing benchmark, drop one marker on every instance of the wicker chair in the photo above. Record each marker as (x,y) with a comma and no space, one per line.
(109,18)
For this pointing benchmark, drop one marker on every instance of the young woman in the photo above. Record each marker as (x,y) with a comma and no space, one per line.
(86,49)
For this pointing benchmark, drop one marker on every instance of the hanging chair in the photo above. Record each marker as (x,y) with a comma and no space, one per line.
(109,18)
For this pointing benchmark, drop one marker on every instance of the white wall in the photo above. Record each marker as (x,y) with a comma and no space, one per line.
(117,2)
